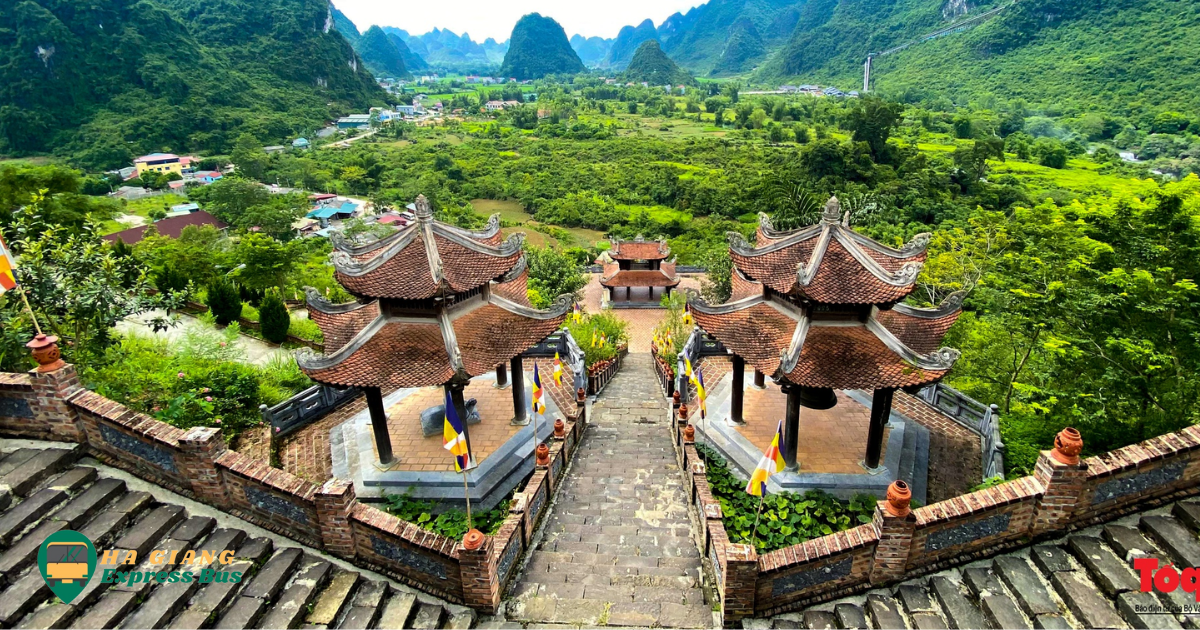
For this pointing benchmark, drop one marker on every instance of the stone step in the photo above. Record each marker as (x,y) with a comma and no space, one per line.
(429,616)
(88,503)
(884,611)
(850,616)
(150,529)
(18,518)
(1084,600)
(1023,582)
(44,464)
(24,553)
(959,611)
(334,598)
(398,611)
(73,479)
(211,599)
(291,605)
(1104,567)
(1174,538)
(16,458)
(366,606)
(273,575)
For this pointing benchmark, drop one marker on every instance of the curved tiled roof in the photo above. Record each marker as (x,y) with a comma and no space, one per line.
(426,259)
(640,278)
(829,262)
(922,329)
(782,340)
(458,342)
(339,322)
(639,250)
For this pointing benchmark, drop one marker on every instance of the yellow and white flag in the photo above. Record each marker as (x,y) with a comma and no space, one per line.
(8,269)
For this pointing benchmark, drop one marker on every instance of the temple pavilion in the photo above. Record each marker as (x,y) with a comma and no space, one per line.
(819,311)
(436,305)
(638,266)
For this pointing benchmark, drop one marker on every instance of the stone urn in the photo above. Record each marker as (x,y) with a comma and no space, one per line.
(45,351)
(1068,444)
(899,499)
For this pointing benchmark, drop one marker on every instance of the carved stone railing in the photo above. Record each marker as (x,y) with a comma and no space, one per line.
(562,343)
(981,419)
(305,407)
(698,345)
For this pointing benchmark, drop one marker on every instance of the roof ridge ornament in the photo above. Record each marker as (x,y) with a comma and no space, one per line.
(424,210)
(833,211)
(764,221)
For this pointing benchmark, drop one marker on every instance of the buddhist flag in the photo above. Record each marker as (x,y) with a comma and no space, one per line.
(687,315)
(771,463)
(687,370)
(578,312)
(538,405)
(557,369)
(603,340)
(701,393)
(593,337)
(454,438)
(8,270)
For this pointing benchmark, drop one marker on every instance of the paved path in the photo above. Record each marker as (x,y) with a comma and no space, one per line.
(617,548)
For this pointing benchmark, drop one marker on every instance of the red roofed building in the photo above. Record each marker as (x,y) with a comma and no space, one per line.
(636,265)
(818,309)
(171,226)
(437,305)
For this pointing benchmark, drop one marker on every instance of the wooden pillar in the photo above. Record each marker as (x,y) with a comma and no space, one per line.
(881,410)
(501,376)
(791,425)
(456,398)
(520,413)
(760,380)
(739,386)
(383,440)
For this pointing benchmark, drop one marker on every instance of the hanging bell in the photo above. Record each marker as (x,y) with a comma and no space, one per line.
(817,397)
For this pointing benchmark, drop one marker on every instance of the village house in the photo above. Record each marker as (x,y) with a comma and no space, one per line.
(158,163)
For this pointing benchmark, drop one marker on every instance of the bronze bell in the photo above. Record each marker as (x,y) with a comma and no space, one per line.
(817,397)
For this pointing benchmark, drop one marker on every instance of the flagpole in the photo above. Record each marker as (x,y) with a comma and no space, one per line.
(29,308)
(754,532)
(467,495)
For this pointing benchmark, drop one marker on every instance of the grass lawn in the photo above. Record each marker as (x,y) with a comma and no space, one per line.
(509,210)
(142,208)
(514,212)
(1081,176)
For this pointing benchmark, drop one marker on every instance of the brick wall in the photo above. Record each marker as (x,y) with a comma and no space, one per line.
(17,404)
(270,498)
(415,556)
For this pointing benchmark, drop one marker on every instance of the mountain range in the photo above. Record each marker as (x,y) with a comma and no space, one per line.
(105,80)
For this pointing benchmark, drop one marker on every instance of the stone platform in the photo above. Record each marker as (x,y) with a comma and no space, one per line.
(425,470)
(832,442)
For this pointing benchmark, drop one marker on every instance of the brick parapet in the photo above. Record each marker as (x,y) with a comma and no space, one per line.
(335,501)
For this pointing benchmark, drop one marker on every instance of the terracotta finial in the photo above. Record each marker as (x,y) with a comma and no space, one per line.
(1067,446)
(683,411)
(543,455)
(899,499)
(580,396)
(45,351)
(559,429)
(675,398)
(689,434)
(473,540)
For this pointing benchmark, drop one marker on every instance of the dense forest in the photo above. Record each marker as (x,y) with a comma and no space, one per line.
(118,78)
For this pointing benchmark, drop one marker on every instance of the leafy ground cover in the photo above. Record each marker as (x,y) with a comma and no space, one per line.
(786,518)
(451,523)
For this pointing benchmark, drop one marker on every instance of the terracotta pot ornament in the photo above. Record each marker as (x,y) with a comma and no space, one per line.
(543,455)
(1068,444)
(559,429)
(689,434)
(473,540)
(45,351)
(899,499)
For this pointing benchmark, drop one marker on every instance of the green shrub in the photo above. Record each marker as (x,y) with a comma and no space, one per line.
(274,319)
(787,518)
(305,328)
(451,523)
(223,301)
(593,326)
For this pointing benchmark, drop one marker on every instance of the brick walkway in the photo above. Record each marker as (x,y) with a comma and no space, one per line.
(641,320)
(617,547)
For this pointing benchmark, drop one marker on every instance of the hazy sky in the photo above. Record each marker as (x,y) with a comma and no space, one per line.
(495,18)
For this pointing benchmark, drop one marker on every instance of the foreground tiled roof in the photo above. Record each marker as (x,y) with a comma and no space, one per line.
(459,342)
(45,490)
(829,262)
(426,259)
(1084,580)
(782,340)
(170,226)
(639,250)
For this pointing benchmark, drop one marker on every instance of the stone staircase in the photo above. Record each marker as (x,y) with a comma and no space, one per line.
(1084,580)
(44,490)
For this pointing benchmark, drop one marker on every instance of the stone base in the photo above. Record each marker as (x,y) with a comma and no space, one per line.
(904,457)
(491,481)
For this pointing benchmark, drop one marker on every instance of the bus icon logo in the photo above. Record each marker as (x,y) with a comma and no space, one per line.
(67,561)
